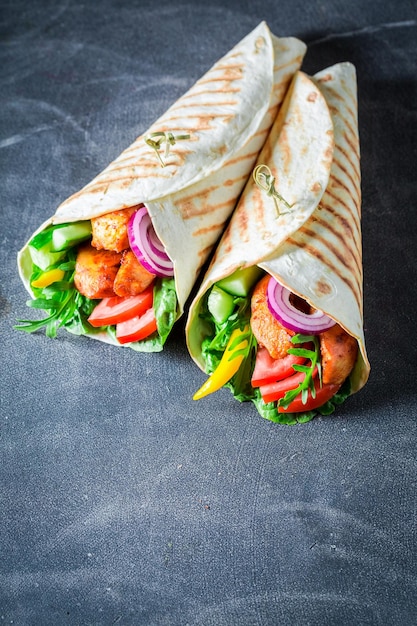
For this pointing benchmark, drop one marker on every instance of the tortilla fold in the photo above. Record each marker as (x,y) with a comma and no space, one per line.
(313,248)
(226,117)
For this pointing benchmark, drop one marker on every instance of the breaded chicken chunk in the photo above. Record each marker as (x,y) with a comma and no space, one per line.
(95,271)
(110,230)
(268,331)
(132,278)
(339,352)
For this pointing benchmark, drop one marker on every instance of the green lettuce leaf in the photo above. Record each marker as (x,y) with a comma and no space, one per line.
(166,312)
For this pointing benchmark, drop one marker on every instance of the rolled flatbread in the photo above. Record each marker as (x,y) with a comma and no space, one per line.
(304,230)
(189,168)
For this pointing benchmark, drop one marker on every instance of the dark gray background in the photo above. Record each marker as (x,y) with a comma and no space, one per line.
(122,500)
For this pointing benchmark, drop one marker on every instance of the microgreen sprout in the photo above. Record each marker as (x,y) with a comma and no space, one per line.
(264,179)
(155,141)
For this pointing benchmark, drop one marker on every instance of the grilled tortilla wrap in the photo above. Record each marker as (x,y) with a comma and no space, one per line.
(314,247)
(225,119)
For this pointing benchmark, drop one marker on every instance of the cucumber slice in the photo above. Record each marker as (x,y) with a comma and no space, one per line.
(240,282)
(68,235)
(44,257)
(220,304)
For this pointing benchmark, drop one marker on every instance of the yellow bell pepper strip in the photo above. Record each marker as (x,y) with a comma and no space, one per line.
(48,277)
(229,364)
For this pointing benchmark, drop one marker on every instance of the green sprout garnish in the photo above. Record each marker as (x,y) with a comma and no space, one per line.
(155,141)
(262,176)
(315,363)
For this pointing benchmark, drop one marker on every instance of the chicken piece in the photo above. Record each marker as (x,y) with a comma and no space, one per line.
(95,271)
(339,352)
(268,331)
(110,230)
(132,278)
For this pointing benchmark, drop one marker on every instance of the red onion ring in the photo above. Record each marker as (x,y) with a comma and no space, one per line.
(146,245)
(279,304)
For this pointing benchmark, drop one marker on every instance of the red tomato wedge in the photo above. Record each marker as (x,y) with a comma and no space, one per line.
(137,328)
(323,394)
(116,309)
(277,390)
(268,370)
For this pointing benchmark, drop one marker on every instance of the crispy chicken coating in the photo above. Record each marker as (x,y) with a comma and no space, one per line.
(268,331)
(339,352)
(95,271)
(132,278)
(110,230)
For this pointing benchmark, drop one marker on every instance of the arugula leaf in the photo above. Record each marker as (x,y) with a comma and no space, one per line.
(307,383)
(61,300)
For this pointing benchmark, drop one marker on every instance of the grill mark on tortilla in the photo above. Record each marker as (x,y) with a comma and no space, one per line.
(231,73)
(353,144)
(351,171)
(352,211)
(218,226)
(126,177)
(281,87)
(145,160)
(335,181)
(211,92)
(354,287)
(240,158)
(343,211)
(259,208)
(338,234)
(203,256)
(223,73)
(336,252)
(347,225)
(202,117)
(189,210)
(290,64)
(227,103)
(349,128)
(226,245)
(205,252)
(349,121)
(228,74)
(344,100)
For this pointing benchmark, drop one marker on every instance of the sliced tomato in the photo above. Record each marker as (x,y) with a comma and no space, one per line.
(323,394)
(116,309)
(277,390)
(268,370)
(137,328)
